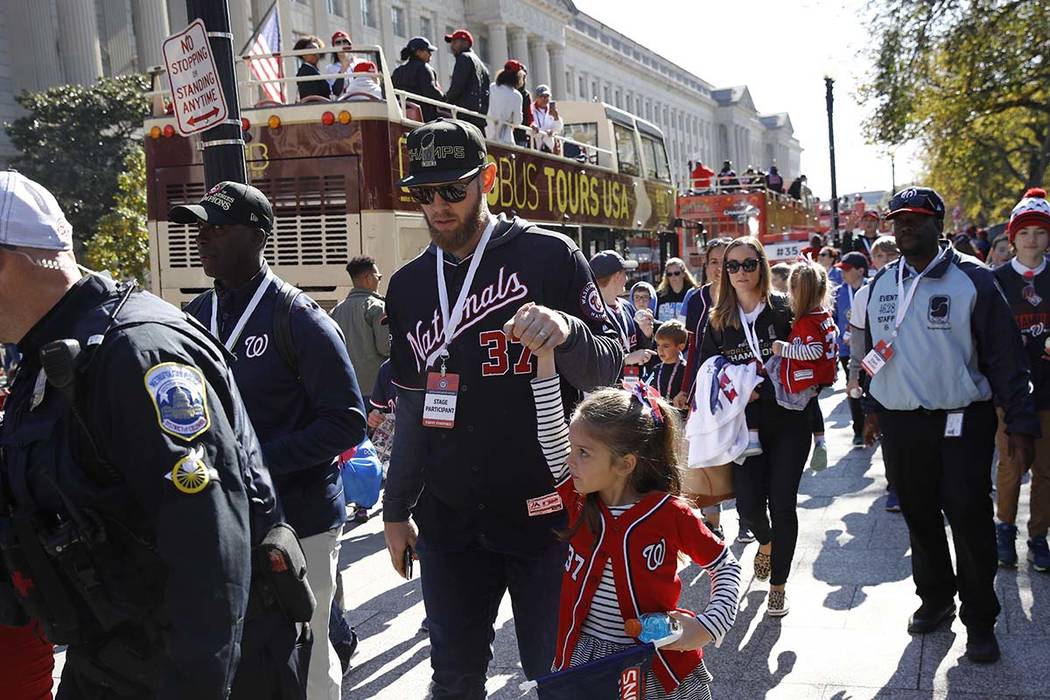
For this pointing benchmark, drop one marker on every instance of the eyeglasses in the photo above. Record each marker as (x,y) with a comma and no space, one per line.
(451,193)
(734,266)
(676,273)
(824,255)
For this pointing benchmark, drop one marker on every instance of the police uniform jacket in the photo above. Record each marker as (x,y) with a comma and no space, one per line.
(486,479)
(184,481)
(305,416)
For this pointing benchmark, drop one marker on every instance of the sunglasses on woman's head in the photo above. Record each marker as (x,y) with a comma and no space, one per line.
(451,193)
(734,266)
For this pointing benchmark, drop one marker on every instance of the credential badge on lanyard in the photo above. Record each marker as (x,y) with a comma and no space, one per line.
(439,404)
(751,335)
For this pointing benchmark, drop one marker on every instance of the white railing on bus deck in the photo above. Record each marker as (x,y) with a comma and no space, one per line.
(373,52)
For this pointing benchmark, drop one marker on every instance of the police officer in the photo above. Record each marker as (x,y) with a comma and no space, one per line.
(941,343)
(299,387)
(466,464)
(131,485)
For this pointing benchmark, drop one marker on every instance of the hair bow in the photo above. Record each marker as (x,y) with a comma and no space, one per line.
(647,396)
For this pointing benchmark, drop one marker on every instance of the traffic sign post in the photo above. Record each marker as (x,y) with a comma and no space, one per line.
(194,80)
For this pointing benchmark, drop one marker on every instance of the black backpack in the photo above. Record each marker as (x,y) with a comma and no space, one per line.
(282,321)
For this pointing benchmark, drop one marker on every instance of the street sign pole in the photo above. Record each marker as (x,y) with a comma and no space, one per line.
(223,143)
(846,236)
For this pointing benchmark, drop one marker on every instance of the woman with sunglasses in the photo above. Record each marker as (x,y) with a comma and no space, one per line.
(746,320)
(417,76)
(828,257)
(343,62)
(676,283)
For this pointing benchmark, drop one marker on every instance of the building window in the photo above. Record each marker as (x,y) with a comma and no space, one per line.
(583,87)
(605,94)
(368,13)
(482,49)
(426,28)
(397,21)
(335,7)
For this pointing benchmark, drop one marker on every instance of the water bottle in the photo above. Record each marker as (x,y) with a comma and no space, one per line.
(652,627)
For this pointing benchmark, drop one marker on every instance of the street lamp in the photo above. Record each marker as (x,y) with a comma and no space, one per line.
(829,98)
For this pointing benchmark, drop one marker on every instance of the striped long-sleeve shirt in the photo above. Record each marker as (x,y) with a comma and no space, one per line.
(605,617)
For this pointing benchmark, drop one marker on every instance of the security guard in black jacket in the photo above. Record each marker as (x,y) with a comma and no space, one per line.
(417,76)
(469,85)
(132,493)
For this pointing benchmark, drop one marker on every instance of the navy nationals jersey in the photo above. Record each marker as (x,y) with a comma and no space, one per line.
(487,474)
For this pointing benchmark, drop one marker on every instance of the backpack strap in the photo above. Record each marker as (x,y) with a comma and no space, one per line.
(282,325)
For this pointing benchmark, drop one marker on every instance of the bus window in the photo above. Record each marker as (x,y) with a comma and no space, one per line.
(626,150)
(584,133)
(655,159)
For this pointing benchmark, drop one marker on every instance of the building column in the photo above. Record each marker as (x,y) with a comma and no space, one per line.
(150,20)
(79,50)
(541,58)
(34,47)
(519,51)
(320,17)
(240,23)
(176,15)
(558,87)
(498,51)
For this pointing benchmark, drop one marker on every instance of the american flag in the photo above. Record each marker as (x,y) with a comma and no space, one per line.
(268,41)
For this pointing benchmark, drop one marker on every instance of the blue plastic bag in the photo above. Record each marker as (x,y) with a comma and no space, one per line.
(362,474)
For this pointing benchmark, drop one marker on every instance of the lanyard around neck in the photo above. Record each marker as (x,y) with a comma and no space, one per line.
(902,306)
(750,335)
(247,314)
(450,320)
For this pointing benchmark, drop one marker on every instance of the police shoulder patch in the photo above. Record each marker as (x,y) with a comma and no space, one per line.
(179,395)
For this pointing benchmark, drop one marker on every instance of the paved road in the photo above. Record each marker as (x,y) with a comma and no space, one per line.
(850,593)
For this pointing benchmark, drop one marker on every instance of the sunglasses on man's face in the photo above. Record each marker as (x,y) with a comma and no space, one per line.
(451,193)
(734,266)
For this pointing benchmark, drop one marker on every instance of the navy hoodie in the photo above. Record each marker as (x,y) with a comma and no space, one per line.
(304,418)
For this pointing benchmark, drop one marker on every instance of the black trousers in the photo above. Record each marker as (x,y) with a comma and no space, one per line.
(937,476)
(766,485)
(462,591)
(856,411)
(816,418)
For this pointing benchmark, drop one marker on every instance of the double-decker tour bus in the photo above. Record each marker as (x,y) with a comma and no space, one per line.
(330,169)
(783,223)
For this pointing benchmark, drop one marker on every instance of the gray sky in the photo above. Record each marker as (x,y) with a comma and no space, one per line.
(780,49)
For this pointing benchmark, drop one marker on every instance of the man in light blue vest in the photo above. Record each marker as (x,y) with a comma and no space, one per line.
(940,344)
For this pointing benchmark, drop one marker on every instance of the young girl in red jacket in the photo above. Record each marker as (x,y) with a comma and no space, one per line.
(616,467)
(810,352)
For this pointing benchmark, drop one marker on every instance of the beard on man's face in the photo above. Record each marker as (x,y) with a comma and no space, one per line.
(453,237)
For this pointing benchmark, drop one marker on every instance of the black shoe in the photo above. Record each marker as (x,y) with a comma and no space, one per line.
(982,647)
(344,650)
(361,515)
(929,617)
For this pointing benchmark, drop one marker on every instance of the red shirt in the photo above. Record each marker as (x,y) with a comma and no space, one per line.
(812,328)
(643,544)
(701,176)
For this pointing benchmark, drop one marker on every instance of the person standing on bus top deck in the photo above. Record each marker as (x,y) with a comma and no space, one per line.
(505,106)
(521,137)
(670,295)
(469,85)
(634,327)
(362,319)
(774,182)
(548,123)
(941,343)
(700,176)
(417,76)
(308,67)
(342,62)
(727,176)
(298,385)
(466,465)
(155,483)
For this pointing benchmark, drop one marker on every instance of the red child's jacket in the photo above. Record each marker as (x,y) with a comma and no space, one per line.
(643,544)
(817,326)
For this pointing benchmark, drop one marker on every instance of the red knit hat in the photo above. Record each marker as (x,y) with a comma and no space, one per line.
(364,67)
(1032,210)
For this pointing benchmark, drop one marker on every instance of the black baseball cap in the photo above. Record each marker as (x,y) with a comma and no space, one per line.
(444,151)
(609,262)
(420,42)
(227,203)
(919,200)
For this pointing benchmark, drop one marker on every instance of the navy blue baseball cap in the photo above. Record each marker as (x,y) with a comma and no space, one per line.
(609,262)
(918,200)
(442,152)
(420,42)
(852,261)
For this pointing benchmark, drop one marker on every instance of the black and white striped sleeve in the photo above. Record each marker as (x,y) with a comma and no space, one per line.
(720,613)
(551,428)
(809,351)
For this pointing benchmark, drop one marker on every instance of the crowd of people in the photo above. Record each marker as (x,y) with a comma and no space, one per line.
(552,435)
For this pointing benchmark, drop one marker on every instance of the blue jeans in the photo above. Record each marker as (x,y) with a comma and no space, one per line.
(462,591)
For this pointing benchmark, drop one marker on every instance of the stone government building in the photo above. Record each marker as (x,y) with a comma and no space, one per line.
(54,42)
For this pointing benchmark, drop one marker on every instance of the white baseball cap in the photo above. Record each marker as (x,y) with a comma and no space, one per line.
(30,216)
